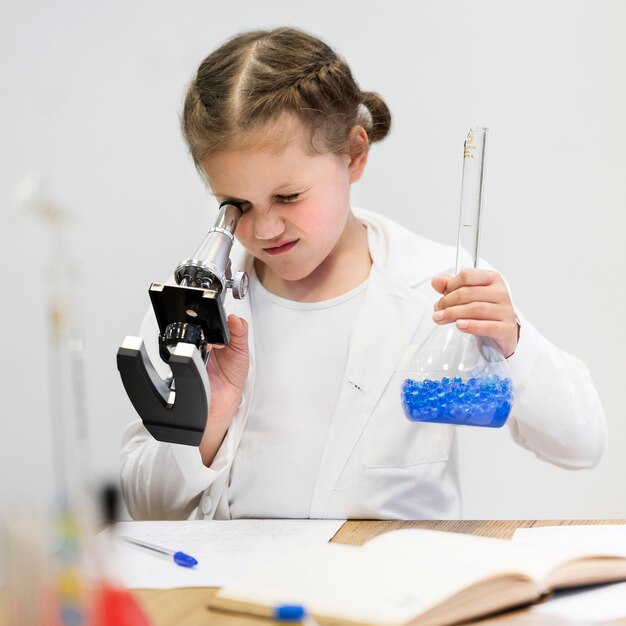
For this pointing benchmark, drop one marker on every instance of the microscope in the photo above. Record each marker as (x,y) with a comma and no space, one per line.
(191,318)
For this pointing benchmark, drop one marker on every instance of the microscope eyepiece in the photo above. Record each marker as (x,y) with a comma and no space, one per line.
(209,267)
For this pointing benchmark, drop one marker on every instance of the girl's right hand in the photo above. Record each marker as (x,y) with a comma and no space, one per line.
(227,369)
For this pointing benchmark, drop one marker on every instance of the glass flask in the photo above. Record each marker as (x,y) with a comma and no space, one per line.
(455,377)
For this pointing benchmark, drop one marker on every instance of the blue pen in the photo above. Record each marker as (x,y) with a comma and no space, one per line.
(180,558)
(293,613)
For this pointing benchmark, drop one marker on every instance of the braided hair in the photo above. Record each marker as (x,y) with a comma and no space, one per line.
(257,77)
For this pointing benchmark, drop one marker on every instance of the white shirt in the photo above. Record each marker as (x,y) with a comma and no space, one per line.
(297,386)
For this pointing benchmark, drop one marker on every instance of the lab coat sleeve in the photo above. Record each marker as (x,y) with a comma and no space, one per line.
(165,480)
(556,412)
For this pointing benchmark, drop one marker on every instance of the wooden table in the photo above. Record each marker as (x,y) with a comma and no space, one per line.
(188,607)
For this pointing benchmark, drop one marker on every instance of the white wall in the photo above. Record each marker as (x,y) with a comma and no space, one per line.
(90,97)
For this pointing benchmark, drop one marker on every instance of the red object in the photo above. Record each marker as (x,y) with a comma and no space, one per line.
(116,606)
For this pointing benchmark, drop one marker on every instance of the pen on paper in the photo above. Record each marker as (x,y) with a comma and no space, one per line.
(180,558)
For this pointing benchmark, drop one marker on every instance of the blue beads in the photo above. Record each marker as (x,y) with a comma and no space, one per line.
(480,401)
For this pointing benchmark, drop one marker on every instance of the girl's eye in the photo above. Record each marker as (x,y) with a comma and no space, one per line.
(291,198)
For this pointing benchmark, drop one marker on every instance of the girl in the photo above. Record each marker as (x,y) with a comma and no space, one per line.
(299,426)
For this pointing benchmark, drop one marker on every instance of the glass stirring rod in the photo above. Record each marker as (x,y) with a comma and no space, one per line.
(180,558)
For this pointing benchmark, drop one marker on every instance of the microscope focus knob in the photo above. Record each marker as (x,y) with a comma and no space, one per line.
(239,285)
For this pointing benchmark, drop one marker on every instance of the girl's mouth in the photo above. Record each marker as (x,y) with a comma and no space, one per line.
(280,248)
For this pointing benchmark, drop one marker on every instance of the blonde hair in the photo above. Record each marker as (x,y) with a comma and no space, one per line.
(256,77)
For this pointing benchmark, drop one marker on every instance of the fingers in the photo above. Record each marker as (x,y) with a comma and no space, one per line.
(238,328)
(472,278)
(439,283)
(465,278)
(464,295)
(238,333)
(471,311)
(237,325)
(503,333)
(478,301)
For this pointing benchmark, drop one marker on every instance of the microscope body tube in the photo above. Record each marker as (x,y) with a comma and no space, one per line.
(471,198)
(211,260)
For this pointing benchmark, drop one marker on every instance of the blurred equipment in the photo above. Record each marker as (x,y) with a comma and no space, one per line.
(67,577)
(25,576)
(113,604)
(73,586)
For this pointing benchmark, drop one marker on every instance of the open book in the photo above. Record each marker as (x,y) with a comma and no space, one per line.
(416,576)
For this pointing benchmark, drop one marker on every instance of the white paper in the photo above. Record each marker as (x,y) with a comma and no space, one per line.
(606,538)
(225,550)
(594,604)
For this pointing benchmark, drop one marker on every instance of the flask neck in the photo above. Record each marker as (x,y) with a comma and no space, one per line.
(471,199)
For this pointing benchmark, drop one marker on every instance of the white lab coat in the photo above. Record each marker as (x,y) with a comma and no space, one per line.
(376,463)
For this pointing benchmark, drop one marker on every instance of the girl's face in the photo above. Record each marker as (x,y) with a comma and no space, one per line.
(296,206)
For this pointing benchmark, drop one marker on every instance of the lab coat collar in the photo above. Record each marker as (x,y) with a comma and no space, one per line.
(409,258)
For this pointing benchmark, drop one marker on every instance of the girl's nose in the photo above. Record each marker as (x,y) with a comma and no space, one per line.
(268,225)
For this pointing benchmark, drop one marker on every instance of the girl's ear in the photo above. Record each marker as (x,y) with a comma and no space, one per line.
(359,149)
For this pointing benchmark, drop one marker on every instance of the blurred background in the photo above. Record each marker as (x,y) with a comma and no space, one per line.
(91,95)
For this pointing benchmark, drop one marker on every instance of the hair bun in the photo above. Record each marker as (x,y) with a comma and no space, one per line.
(379,123)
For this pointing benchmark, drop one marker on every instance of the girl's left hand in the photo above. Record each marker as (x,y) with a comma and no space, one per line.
(478,301)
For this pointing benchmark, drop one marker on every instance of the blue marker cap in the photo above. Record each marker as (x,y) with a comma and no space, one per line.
(184,560)
(289,613)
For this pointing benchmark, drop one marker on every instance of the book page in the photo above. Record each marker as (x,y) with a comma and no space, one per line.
(605,546)
(596,604)
(469,553)
(403,574)
(390,580)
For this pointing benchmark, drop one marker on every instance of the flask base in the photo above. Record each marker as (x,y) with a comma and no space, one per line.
(479,401)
